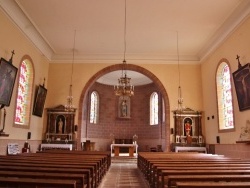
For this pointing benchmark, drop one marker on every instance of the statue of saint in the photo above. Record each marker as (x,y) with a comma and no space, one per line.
(188,128)
(124,109)
(60,126)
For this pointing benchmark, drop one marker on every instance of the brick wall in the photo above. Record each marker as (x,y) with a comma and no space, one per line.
(124,128)
(109,121)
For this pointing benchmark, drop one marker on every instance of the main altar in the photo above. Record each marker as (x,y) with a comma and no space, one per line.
(116,147)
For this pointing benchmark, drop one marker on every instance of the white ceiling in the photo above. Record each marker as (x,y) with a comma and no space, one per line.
(136,78)
(151,33)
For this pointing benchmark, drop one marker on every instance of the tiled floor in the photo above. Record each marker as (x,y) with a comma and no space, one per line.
(123,173)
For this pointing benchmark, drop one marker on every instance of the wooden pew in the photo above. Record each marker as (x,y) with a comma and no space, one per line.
(60,159)
(172,179)
(158,167)
(44,162)
(30,182)
(166,173)
(88,165)
(194,165)
(79,178)
(212,184)
(149,159)
(102,164)
(145,159)
(95,153)
(49,170)
(84,178)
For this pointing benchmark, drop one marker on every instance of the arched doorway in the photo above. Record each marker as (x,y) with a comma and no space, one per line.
(83,110)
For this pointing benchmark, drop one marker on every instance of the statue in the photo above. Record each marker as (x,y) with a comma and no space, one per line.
(60,126)
(187,127)
(124,108)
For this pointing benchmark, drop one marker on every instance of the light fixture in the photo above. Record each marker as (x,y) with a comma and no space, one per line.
(180,99)
(124,87)
(69,106)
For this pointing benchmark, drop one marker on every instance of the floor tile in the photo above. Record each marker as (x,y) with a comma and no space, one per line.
(123,173)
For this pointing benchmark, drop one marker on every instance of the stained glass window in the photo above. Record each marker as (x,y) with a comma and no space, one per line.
(24,93)
(224,97)
(94,107)
(154,109)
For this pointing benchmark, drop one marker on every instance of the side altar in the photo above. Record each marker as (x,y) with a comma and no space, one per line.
(61,129)
(187,133)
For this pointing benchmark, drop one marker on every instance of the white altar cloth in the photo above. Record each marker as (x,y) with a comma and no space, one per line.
(180,148)
(56,146)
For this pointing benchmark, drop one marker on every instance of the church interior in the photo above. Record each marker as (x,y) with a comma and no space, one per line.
(125,78)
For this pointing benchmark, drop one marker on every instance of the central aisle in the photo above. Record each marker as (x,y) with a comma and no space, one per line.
(123,173)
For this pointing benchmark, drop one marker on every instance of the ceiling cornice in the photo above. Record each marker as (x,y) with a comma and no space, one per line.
(235,20)
(18,17)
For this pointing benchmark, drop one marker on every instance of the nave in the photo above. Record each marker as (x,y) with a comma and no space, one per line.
(98,169)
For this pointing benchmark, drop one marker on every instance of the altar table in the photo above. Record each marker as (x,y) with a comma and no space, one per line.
(199,149)
(56,146)
(132,148)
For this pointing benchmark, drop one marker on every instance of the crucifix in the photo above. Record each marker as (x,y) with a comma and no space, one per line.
(44,82)
(13,53)
(238,58)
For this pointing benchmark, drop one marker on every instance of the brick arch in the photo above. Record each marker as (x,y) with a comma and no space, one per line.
(136,68)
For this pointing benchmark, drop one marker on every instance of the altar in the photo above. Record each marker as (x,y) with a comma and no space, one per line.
(132,148)
(190,149)
(56,146)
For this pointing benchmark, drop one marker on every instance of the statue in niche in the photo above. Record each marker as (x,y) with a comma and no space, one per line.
(60,126)
(124,108)
(188,127)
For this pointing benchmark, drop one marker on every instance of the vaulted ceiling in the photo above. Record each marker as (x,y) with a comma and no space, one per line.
(151,30)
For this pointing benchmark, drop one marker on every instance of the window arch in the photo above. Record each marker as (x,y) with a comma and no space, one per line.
(94,107)
(154,109)
(224,97)
(24,93)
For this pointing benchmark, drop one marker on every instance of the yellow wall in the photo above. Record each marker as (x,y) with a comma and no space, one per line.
(237,43)
(12,39)
(57,76)
(59,81)
(197,81)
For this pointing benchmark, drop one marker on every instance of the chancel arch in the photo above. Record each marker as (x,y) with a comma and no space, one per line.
(160,132)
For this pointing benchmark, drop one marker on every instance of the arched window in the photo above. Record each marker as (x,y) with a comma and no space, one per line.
(224,97)
(24,93)
(94,107)
(154,109)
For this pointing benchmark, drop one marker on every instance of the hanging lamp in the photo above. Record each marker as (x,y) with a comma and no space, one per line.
(69,106)
(124,87)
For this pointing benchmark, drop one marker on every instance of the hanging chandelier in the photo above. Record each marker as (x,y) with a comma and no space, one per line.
(69,106)
(180,99)
(124,87)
